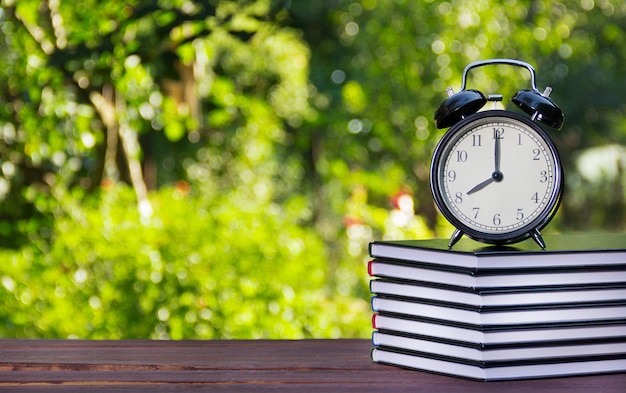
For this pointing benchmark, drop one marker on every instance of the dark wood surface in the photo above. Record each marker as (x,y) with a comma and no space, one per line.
(239,366)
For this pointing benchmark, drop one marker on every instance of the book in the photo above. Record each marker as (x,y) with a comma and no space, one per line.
(510,335)
(482,353)
(495,371)
(501,297)
(520,278)
(499,317)
(501,312)
(583,250)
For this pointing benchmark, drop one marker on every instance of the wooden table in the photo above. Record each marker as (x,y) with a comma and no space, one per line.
(239,366)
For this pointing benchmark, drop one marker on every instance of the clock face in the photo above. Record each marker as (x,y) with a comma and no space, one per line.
(496,176)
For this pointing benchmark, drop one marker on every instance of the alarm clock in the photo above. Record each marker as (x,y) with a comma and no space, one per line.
(496,175)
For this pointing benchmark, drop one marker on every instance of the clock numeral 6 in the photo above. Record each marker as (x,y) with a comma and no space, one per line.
(497,220)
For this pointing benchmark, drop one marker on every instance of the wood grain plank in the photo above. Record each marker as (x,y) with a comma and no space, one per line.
(239,366)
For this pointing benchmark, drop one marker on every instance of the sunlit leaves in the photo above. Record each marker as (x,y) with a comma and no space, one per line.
(354,97)
(177,278)
(278,143)
(173,119)
(290,61)
(404,55)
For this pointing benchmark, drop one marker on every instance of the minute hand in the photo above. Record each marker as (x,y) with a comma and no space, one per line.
(497,136)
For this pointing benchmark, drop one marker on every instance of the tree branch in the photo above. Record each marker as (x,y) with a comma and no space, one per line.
(36,32)
(57,24)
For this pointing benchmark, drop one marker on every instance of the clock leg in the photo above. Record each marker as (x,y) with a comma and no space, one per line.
(538,238)
(456,236)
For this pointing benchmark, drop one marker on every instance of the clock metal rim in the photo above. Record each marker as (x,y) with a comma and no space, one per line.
(517,234)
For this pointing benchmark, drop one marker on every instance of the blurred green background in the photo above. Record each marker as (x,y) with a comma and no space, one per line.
(204,169)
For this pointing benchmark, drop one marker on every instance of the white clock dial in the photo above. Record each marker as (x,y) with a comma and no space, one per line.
(497,176)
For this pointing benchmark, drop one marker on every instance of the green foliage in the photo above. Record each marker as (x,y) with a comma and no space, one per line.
(205,169)
(221,273)
(401,55)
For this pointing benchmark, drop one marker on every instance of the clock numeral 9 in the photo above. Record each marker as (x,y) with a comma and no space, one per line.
(451,176)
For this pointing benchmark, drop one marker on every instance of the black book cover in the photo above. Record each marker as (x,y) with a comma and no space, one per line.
(519,335)
(501,297)
(512,278)
(498,317)
(566,251)
(494,371)
(598,345)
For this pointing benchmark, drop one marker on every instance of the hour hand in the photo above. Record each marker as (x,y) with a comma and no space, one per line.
(481,185)
(497,176)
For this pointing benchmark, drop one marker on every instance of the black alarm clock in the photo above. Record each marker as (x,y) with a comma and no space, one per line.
(496,175)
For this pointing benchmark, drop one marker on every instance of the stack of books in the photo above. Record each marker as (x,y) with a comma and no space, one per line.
(501,313)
